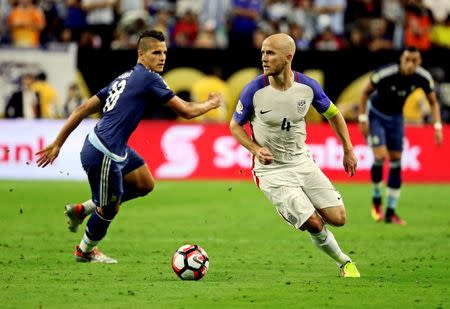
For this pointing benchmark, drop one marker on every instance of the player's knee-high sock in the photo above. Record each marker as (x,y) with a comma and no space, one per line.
(394,184)
(377,176)
(96,228)
(326,242)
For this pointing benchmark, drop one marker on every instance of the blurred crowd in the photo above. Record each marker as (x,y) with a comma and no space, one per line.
(314,24)
(328,25)
(36,98)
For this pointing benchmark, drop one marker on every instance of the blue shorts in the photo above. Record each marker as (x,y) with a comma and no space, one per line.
(105,175)
(385,130)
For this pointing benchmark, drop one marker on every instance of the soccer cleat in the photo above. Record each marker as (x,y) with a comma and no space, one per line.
(395,219)
(75,213)
(377,213)
(349,270)
(95,256)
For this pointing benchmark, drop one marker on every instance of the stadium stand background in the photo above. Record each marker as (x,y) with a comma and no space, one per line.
(339,41)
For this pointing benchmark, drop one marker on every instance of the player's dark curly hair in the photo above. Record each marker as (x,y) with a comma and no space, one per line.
(157,35)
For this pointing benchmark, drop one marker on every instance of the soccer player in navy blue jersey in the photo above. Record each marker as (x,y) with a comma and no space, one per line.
(381,122)
(115,171)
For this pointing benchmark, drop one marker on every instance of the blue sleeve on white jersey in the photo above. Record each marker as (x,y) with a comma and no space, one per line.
(158,88)
(244,108)
(320,101)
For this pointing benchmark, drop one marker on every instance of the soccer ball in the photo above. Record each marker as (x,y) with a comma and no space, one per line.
(190,262)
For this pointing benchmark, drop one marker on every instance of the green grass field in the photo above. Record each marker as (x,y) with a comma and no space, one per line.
(256,259)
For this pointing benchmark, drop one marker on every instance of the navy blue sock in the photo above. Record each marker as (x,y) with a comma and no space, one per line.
(97,226)
(376,171)
(394,180)
(377,176)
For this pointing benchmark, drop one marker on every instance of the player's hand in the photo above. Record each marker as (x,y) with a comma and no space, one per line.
(438,137)
(350,162)
(364,127)
(216,100)
(264,156)
(47,155)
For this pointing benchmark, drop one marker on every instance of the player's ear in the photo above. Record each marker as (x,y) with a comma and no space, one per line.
(289,57)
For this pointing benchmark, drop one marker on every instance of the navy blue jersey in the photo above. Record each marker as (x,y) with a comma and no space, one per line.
(124,101)
(392,88)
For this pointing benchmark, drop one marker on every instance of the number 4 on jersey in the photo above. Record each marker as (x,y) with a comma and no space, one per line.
(286,125)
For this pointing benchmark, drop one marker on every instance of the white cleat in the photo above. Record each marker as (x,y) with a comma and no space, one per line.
(75,214)
(95,256)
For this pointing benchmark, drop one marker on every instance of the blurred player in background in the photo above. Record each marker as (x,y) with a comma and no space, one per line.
(381,122)
(276,103)
(115,171)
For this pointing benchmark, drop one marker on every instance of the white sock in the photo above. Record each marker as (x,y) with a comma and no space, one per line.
(392,198)
(86,244)
(326,242)
(89,207)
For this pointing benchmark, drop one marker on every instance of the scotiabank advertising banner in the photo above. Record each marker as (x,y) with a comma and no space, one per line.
(175,150)
(21,139)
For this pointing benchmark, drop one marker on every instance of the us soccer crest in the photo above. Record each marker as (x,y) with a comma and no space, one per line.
(301,106)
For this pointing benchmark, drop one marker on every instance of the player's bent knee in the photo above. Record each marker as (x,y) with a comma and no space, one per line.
(340,217)
(335,216)
(146,188)
(339,220)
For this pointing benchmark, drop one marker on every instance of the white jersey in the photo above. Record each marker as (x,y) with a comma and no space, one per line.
(277,118)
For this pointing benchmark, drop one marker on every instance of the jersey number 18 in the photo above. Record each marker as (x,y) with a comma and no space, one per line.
(114,94)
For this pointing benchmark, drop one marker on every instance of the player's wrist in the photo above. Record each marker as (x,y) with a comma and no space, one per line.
(363,118)
(348,150)
(437,125)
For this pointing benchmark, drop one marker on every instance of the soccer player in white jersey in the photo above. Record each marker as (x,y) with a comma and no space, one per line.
(115,171)
(276,103)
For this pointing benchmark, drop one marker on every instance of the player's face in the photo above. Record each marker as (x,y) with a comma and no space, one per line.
(154,57)
(409,62)
(273,59)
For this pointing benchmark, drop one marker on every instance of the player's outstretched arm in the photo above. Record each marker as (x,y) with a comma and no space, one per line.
(190,110)
(263,154)
(362,117)
(436,115)
(340,128)
(51,152)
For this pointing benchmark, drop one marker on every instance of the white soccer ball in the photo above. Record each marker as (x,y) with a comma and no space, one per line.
(190,262)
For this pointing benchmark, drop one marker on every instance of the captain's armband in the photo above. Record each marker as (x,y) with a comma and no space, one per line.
(331,111)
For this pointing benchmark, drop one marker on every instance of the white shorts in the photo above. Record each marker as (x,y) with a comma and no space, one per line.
(298,191)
